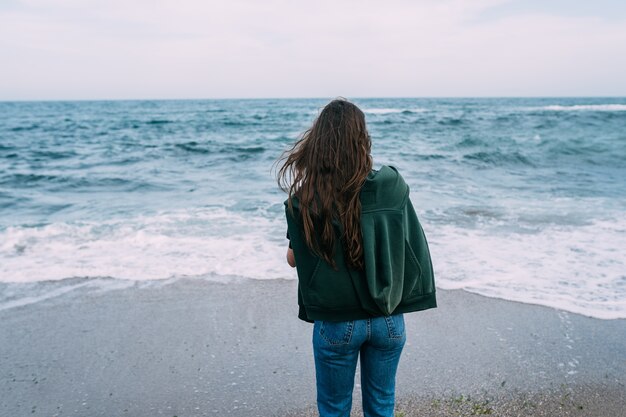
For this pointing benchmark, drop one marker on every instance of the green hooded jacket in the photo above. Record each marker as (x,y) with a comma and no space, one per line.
(398,275)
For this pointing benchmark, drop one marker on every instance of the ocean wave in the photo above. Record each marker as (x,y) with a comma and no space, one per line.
(47,154)
(561,266)
(60,183)
(34,126)
(245,149)
(498,158)
(193,147)
(158,122)
(450,121)
(427,157)
(565,266)
(469,141)
(239,123)
(211,241)
(123,160)
(26,179)
(583,107)
(236,152)
(105,161)
(108,183)
(391,110)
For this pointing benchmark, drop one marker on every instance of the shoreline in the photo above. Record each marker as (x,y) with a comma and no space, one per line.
(196,348)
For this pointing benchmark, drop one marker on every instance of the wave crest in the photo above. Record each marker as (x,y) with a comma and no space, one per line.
(392,110)
(583,107)
(210,241)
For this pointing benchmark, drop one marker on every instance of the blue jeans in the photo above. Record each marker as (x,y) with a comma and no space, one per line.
(336,348)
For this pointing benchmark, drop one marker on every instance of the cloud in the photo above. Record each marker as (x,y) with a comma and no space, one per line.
(186,48)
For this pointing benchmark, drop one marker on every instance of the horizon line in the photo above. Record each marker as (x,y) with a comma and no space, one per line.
(52,100)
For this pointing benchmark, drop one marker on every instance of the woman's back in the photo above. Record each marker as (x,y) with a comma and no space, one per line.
(394,277)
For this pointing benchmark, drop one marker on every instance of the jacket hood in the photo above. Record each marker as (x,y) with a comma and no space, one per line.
(384,188)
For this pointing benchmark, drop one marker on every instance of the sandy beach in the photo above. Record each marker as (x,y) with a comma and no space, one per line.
(200,348)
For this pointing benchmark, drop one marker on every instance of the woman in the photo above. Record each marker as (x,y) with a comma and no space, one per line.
(361,257)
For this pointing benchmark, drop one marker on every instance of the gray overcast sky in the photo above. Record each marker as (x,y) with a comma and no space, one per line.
(101,49)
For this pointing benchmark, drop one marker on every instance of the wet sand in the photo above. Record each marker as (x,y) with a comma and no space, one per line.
(199,348)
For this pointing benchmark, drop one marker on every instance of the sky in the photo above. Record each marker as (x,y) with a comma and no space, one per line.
(167,49)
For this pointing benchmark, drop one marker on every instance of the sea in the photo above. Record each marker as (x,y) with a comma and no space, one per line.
(522,199)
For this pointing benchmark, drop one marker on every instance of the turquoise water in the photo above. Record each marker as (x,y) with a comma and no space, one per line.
(523,199)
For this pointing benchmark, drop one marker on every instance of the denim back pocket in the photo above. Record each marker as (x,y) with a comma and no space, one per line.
(395,324)
(336,333)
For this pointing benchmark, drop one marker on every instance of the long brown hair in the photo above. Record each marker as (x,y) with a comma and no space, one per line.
(325,170)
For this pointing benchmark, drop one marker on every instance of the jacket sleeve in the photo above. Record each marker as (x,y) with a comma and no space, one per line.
(384,254)
(397,259)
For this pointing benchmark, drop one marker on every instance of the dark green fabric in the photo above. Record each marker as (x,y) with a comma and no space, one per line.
(398,276)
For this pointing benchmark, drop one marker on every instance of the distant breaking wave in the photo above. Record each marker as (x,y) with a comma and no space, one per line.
(388,111)
(583,107)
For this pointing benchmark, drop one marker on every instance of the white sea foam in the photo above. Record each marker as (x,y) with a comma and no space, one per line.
(583,107)
(214,242)
(389,110)
(580,269)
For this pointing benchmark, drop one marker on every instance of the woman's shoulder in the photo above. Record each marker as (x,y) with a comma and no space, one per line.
(292,206)
(387,175)
(390,171)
